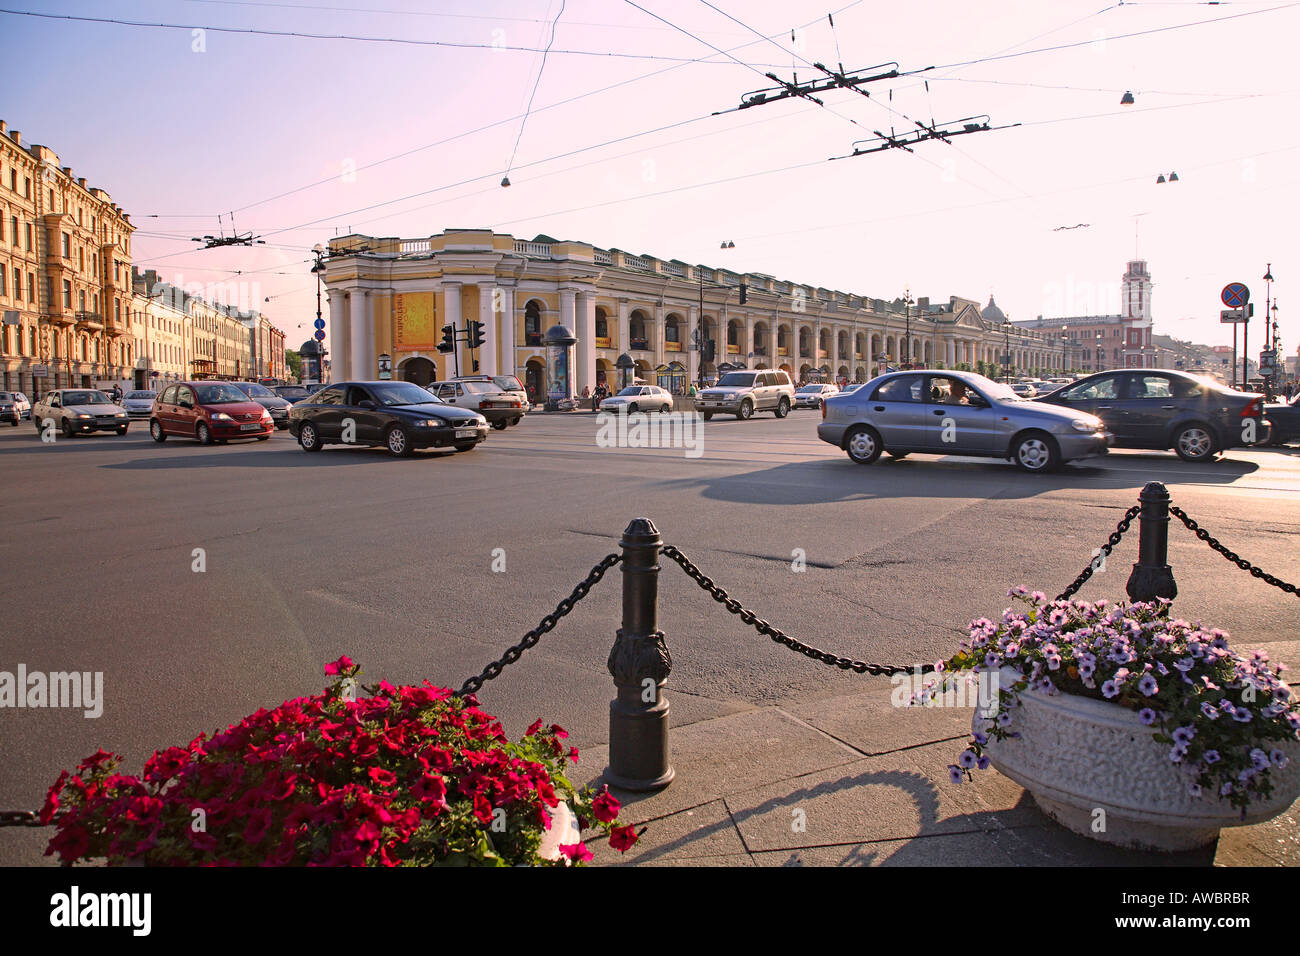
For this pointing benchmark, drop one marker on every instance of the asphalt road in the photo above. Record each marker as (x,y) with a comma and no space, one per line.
(390,561)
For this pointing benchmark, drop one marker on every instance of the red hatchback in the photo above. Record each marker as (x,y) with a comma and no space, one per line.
(209,412)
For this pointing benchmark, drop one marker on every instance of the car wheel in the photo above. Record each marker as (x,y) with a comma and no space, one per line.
(708,416)
(465,447)
(1194,442)
(783,408)
(308,439)
(1036,452)
(67,429)
(122,430)
(863,445)
(500,424)
(665,409)
(156,431)
(515,421)
(398,442)
(203,433)
(15,421)
(746,410)
(632,408)
(38,423)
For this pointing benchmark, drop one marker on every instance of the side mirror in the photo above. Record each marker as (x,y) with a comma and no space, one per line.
(186,403)
(977,401)
(366,403)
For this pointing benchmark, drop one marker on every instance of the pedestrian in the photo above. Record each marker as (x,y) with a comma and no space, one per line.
(117,393)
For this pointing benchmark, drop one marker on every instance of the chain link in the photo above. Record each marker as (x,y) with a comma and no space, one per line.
(512,654)
(20,818)
(776,634)
(1232,556)
(1115,537)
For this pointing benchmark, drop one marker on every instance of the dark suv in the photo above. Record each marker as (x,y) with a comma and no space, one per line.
(1160,408)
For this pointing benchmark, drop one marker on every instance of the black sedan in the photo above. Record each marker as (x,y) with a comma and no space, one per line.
(1285,419)
(277,405)
(401,416)
(1161,408)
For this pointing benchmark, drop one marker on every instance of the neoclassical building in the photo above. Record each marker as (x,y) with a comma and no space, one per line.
(391,298)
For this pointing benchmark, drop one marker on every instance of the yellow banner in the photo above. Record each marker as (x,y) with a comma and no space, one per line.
(413,322)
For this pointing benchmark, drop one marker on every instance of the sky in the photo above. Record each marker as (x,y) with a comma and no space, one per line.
(302,139)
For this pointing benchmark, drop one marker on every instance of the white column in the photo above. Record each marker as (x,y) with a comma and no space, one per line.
(693,357)
(361,338)
(336,342)
(658,344)
(568,311)
(487,353)
(451,310)
(585,357)
(624,327)
(508,366)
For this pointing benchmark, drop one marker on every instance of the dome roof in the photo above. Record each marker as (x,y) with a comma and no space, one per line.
(991,312)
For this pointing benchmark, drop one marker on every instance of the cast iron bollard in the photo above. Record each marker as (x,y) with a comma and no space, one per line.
(1152,577)
(640,663)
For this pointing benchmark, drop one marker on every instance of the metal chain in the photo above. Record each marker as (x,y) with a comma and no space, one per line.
(1114,539)
(20,818)
(1232,556)
(776,634)
(512,654)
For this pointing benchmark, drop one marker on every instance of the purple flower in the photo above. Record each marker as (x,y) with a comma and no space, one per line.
(1184,735)
(1184,664)
(981,738)
(1109,690)
(1242,716)
(967,759)
(1148,686)
(1193,789)
(1147,716)
(1211,757)
(992,661)
(1004,719)
(1259,759)
(954,773)
(983,762)
(1278,757)
(1226,789)
(1209,710)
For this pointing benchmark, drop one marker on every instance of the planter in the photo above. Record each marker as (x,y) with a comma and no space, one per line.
(1076,755)
(564,830)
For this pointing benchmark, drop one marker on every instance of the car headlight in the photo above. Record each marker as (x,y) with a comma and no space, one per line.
(84,415)
(121,414)
(431,423)
(1086,425)
(221,417)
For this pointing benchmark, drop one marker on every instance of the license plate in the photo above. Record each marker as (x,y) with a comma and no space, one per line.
(466,432)
(250,427)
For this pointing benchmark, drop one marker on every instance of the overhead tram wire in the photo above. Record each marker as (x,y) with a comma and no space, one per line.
(529,108)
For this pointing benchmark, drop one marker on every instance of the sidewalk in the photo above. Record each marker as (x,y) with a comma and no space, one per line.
(855,781)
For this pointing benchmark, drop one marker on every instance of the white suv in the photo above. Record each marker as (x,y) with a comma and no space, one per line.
(745,392)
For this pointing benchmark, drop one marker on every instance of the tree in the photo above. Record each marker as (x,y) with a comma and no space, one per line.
(294,363)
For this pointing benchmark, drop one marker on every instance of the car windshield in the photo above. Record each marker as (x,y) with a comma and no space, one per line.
(631,390)
(219,394)
(85,398)
(141,396)
(6,397)
(508,383)
(995,391)
(736,380)
(253,390)
(403,393)
(293,394)
(811,388)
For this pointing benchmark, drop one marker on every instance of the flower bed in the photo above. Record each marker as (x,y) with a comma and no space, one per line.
(406,776)
(1227,722)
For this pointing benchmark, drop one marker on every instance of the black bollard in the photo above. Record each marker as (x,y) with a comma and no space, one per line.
(1152,577)
(640,664)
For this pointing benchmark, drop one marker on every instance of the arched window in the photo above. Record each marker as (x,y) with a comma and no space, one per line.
(532,323)
(602,324)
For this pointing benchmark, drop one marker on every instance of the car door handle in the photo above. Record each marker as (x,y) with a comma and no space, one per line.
(880,408)
(940,411)
(1106,407)
(1168,407)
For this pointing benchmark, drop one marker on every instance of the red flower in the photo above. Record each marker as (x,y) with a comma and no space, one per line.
(606,807)
(482,809)
(339,666)
(385,778)
(52,799)
(534,727)
(93,761)
(622,838)
(559,731)
(577,852)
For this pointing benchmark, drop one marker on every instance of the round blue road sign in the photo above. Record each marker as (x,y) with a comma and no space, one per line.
(320,335)
(1235,295)
(319,323)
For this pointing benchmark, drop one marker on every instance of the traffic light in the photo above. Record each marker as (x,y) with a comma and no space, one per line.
(744,293)
(448,343)
(475,334)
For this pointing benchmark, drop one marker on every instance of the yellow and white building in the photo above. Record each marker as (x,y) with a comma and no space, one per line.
(65,251)
(392,297)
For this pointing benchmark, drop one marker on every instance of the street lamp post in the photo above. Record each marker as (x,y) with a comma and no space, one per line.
(1100,351)
(907,319)
(319,269)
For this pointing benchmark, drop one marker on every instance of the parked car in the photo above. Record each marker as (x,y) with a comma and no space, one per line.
(1023,389)
(1162,408)
(401,416)
(745,392)
(956,413)
(208,412)
(639,398)
(294,393)
(509,384)
(78,411)
(501,409)
(139,404)
(14,407)
(812,396)
(277,405)
(1284,417)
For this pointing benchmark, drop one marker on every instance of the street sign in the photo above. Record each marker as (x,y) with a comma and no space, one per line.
(319,323)
(11,317)
(40,371)
(1235,295)
(320,335)
(1232,315)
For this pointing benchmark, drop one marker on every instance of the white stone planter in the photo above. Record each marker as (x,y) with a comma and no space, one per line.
(1076,755)
(564,830)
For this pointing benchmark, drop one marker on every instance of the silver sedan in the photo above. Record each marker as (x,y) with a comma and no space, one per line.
(956,413)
